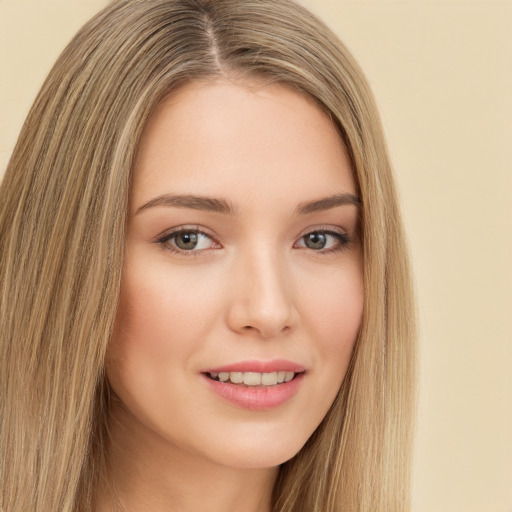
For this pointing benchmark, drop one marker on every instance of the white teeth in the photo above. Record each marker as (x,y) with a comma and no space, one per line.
(269,379)
(253,378)
(236,377)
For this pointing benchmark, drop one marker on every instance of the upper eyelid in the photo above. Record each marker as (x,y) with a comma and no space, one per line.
(324,229)
(168,233)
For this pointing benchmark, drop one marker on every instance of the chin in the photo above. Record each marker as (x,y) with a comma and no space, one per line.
(261,451)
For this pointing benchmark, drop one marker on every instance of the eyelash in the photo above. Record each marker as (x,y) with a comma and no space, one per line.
(343,240)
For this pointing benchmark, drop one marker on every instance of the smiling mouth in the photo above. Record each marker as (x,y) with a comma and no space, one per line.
(253,378)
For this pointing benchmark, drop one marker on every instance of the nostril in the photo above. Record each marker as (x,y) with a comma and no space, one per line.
(265,332)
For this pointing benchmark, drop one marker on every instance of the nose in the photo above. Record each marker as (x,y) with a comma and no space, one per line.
(262,297)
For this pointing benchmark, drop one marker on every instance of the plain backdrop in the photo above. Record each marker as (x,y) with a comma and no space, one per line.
(442,75)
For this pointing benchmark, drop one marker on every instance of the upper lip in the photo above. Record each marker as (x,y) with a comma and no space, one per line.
(275,365)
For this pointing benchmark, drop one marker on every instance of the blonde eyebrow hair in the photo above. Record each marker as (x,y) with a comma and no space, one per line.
(224,206)
(189,201)
(326,203)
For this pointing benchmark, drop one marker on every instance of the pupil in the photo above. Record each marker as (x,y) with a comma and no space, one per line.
(316,240)
(186,240)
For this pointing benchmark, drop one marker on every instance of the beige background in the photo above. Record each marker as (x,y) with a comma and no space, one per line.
(442,74)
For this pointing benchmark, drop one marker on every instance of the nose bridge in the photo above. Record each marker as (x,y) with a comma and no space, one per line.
(263,298)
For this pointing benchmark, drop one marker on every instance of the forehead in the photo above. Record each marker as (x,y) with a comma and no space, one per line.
(244,141)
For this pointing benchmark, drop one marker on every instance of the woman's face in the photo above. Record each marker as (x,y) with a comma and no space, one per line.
(242,268)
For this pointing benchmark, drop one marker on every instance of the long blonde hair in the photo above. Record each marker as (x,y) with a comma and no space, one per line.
(63,205)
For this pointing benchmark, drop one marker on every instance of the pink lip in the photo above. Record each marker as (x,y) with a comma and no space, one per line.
(257,398)
(276,365)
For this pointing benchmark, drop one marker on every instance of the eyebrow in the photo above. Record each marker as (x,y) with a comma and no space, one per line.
(210,204)
(326,203)
(217,205)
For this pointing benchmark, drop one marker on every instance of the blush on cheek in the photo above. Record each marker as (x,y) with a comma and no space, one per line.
(340,329)
(163,309)
(338,308)
(137,323)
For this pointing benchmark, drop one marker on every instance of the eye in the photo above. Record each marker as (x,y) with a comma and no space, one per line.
(187,240)
(324,241)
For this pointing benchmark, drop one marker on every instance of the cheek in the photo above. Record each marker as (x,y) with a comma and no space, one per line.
(158,300)
(333,320)
(157,325)
(336,301)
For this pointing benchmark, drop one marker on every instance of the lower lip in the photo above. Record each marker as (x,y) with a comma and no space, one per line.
(256,398)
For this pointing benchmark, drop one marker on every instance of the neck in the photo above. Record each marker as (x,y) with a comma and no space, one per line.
(147,472)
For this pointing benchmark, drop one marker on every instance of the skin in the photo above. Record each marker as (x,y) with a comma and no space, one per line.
(251,290)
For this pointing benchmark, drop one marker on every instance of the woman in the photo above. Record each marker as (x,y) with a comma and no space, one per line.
(205,295)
